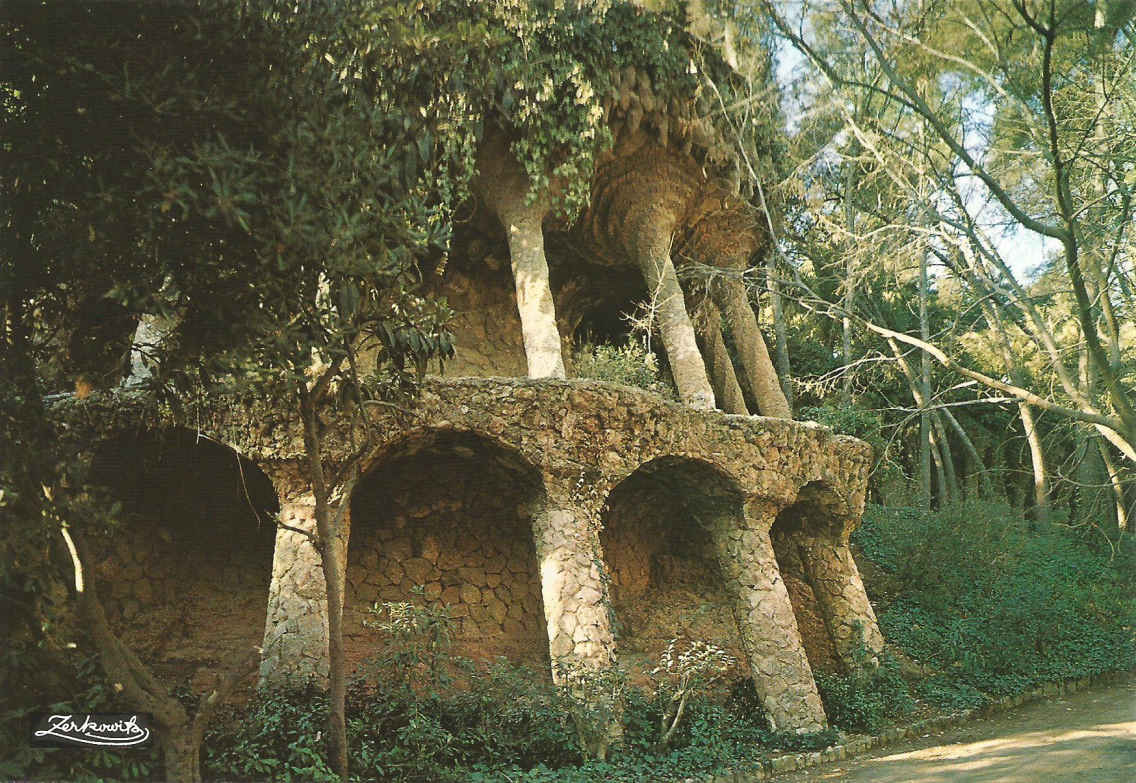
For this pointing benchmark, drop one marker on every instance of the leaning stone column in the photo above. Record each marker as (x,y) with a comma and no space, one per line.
(295,630)
(758,367)
(766,622)
(577,607)
(727,391)
(577,610)
(506,190)
(149,337)
(652,250)
(841,597)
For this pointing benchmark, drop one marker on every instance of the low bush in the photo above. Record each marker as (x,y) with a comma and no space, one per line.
(997,607)
(866,699)
(508,724)
(630,364)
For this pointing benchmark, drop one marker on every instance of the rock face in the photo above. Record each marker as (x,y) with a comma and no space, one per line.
(553,517)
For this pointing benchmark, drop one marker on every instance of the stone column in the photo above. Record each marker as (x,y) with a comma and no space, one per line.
(756,364)
(534,293)
(507,191)
(295,630)
(149,337)
(653,253)
(577,607)
(766,622)
(840,595)
(727,390)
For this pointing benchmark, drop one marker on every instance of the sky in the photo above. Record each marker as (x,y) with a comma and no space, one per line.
(1024,251)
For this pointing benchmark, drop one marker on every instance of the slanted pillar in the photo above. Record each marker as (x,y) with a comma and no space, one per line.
(727,390)
(756,364)
(295,649)
(577,609)
(841,598)
(149,338)
(576,602)
(534,292)
(505,187)
(766,622)
(651,247)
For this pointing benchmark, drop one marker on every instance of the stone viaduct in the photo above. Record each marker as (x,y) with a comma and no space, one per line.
(536,511)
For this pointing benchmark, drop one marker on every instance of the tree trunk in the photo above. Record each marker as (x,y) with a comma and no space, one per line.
(334,574)
(1042,511)
(652,246)
(1117,485)
(181,756)
(534,293)
(925,391)
(943,444)
(758,369)
(968,445)
(180,738)
(784,368)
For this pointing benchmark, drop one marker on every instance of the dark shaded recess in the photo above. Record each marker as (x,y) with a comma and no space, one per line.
(204,495)
(657,541)
(809,515)
(184,574)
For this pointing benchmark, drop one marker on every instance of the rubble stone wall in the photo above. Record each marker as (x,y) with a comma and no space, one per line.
(184,576)
(447,527)
(665,579)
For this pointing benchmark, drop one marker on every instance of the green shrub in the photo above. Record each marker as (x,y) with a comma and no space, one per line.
(630,364)
(944,692)
(276,736)
(866,699)
(997,607)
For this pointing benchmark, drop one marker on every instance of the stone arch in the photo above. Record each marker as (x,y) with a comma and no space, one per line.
(810,541)
(661,527)
(184,577)
(442,516)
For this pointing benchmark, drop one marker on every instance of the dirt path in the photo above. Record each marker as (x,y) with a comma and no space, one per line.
(1088,737)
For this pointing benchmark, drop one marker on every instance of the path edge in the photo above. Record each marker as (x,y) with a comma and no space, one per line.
(860,743)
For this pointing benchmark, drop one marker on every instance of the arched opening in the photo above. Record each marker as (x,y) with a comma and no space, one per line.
(812,515)
(443,519)
(184,575)
(658,541)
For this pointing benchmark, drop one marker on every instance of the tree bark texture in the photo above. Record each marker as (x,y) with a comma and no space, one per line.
(1037,461)
(335,575)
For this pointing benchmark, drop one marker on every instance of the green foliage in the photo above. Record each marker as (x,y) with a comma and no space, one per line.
(505,723)
(864,424)
(997,607)
(848,420)
(630,364)
(276,736)
(81,677)
(943,691)
(867,698)
(421,638)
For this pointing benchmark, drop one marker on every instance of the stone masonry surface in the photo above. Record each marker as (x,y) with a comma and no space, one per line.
(552,452)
